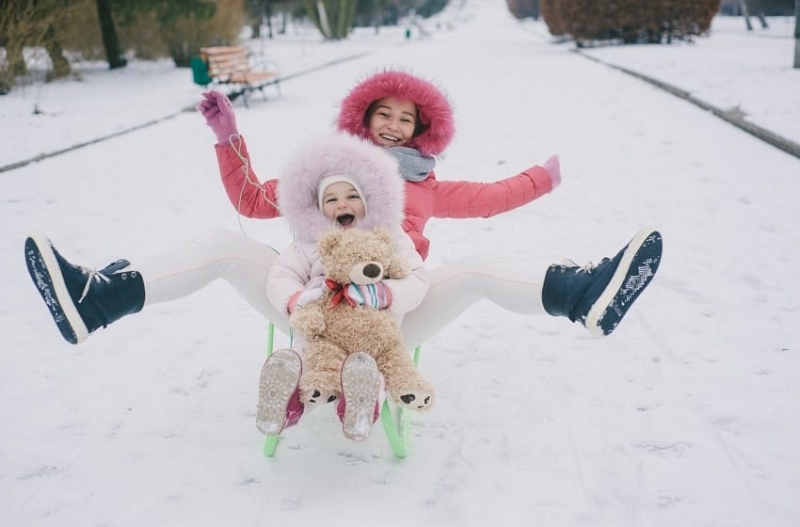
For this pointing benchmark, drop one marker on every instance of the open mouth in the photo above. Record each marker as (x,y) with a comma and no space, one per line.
(345,220)
(390,138)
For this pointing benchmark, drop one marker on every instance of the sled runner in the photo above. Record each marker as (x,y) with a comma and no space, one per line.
(394,418)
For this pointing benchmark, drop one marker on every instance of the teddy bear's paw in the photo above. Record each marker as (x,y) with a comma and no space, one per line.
(418,400)
(321,396)
(308,322)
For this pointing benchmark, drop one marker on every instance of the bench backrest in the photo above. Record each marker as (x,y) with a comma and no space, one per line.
(224,61)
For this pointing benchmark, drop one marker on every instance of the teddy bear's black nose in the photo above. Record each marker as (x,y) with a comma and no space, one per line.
(372,270)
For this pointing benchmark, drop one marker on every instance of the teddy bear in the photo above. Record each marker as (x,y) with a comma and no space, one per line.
(332,333)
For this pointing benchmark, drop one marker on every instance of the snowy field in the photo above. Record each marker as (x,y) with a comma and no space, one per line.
(688,415)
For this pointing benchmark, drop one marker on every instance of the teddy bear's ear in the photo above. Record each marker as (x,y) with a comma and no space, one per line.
(329,240)
(397,268)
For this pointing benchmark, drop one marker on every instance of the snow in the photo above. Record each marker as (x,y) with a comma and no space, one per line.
(688,415)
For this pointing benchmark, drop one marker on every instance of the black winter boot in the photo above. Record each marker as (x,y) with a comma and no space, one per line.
(599,296)
(81,299)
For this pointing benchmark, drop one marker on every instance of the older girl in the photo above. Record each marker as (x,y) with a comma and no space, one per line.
(412,119)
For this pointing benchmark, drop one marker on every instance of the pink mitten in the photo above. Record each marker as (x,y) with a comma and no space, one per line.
(377,295)
(553,167)
(218,112)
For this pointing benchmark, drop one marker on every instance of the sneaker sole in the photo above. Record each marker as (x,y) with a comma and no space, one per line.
(361,385)
(280,376)
(636,269)
(46,275)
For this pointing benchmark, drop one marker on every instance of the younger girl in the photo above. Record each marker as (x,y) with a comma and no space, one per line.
(340,182)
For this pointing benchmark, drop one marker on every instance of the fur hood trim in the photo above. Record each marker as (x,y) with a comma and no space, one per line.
(374,171)
(435,111)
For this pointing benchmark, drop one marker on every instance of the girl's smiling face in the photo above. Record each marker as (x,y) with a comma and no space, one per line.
(342,204)
(392,122)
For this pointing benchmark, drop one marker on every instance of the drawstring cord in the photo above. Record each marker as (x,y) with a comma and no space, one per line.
(235,141)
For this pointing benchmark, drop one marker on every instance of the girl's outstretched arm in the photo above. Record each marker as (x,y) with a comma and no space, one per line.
(465,199)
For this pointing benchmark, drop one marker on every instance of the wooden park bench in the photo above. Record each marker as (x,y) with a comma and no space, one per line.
(230,67)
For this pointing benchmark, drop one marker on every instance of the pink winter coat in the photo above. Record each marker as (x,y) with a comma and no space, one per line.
(427,199)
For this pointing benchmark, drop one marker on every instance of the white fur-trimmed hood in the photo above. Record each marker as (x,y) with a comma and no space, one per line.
(375,171)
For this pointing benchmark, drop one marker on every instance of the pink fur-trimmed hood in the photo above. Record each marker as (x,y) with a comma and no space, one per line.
(435,112)
(373,170)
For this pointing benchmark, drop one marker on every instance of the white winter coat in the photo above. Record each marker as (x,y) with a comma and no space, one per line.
(377,175)
(299,267)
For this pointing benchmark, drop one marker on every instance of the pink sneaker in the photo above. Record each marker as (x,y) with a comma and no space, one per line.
(279,404)
(359,406)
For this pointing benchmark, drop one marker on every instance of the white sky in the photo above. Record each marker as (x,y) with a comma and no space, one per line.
(689,414)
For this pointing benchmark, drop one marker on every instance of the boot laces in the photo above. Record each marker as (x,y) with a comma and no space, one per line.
(588,268)
(97,276)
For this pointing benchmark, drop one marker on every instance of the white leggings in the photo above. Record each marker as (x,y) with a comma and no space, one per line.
(244,263)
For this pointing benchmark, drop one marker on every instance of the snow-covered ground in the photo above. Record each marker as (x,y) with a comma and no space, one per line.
(688,415)
(733,69)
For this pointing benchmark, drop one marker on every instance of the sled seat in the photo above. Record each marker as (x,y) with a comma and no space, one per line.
(395,419)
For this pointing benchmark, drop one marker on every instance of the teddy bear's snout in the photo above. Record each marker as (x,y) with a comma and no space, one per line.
(372,270)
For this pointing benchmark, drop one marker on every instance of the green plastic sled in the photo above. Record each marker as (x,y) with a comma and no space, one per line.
(394,418)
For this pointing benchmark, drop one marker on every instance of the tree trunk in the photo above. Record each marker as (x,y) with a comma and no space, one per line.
(109,33)
(61,67)
(13,67)
(746,15)
(268,15)
(285,21)
(797,33)
(756,7)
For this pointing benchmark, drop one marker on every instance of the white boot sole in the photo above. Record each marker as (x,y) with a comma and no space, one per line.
(280,376)
(361,385)
(634,273)
(46,274)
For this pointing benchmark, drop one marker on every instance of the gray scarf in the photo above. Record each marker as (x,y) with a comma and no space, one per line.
(413,165)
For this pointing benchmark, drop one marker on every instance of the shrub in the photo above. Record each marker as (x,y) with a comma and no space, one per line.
(31,27)
(185,33)
(637,21)
(522,9)
(333,18)
(428,8)
(551,13)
